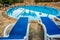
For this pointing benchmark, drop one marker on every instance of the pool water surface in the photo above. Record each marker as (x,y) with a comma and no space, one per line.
(31,11)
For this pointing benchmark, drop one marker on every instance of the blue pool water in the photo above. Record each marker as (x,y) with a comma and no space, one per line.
(31,11)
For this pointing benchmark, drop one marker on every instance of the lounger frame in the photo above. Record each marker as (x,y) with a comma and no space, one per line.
(27,34)
(47,36)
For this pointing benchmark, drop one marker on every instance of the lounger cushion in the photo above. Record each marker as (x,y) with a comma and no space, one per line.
(51,27)
(19,30)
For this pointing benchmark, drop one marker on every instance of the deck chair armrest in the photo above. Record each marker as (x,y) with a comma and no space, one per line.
(57,18)
(58,23)
(27,34)
(7,30)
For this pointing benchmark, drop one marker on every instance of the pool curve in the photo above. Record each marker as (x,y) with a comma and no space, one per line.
(32,11)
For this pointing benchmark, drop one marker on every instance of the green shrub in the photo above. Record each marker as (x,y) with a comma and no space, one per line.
(18,1)
(39,1)
(10,1)
(21,1)
(1,1)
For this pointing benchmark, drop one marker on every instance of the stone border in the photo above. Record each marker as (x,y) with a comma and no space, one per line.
(10,18)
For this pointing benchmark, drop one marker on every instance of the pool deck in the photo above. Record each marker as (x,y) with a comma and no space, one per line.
(5,20)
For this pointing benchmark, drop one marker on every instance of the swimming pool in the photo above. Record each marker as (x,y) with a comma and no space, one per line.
(31,11)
